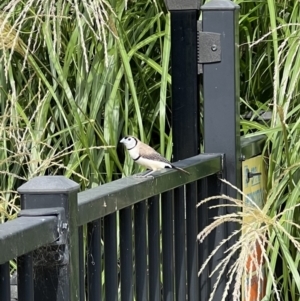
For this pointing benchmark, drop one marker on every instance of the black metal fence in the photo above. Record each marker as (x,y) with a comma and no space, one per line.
(113,242)
(64,239)
(135,239)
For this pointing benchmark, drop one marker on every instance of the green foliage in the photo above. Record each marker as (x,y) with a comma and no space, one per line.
(74,78)
(275,52)
(270,58)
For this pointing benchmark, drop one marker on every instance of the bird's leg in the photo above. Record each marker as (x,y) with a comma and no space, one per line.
(146,175)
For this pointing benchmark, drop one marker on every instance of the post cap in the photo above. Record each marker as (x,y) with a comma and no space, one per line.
(220,5)
(183,4)
(46,184)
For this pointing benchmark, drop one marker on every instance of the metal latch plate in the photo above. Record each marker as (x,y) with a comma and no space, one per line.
(209,47)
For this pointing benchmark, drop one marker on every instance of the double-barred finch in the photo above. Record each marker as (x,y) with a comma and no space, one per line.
(146,156)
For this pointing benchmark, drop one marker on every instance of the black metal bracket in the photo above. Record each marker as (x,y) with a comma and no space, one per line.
(209,47)
(253,174)
(250,175)
(59,212)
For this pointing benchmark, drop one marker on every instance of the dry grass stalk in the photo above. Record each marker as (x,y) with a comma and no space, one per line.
(252,242)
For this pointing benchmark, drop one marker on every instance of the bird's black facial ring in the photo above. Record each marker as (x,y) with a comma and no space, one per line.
(134,144)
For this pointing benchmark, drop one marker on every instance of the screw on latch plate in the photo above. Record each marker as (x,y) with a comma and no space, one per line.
(64,226)
(214,47)
(242,158)
(209,47)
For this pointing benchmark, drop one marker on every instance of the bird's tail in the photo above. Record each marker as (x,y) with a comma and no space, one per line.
(180,169)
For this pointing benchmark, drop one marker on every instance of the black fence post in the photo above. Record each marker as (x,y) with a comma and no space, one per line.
(185,84)
(221,89)
(55,267)
(186,138)
(221,106)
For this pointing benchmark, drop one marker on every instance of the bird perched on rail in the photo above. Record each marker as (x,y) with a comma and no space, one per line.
(145,155)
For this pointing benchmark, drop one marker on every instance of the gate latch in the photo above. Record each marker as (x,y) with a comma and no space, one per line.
(209,47)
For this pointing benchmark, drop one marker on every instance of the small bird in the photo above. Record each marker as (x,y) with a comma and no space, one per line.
(145,155)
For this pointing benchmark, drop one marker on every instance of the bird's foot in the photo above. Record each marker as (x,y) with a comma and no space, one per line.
(143,176)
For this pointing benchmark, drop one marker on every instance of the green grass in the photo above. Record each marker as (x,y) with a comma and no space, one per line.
(73,81)
(269,52)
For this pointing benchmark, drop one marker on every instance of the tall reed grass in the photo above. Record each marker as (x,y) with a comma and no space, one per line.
(270,57)
(75,77)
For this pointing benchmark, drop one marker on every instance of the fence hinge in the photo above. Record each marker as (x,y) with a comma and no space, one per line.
(209,47)
(59,212)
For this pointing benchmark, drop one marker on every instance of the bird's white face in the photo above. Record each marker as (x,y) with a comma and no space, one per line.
(129,142)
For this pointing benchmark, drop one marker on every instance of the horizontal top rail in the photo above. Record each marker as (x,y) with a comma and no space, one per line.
(108,198)
(253,146)
(23,234)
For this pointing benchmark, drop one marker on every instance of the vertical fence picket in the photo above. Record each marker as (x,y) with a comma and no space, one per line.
(110,256)
(179,237)
(126,244)
(217,235)
(4,282)
(140,254)
(25,278)
(192,245)
(94,260)
(153,246)
(167,245)
(81,264)
(203,247)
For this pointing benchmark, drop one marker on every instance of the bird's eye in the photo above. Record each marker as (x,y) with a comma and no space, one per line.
(129,139)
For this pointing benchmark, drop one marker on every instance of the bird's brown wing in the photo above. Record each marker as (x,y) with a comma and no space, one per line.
(149,153)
